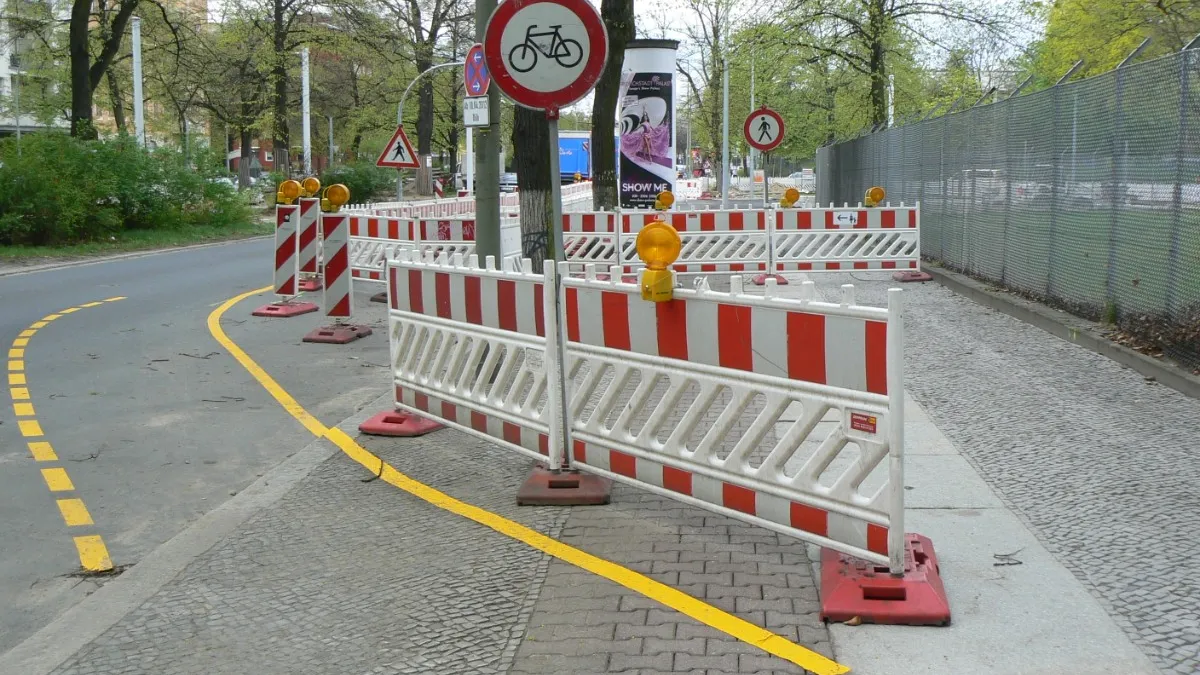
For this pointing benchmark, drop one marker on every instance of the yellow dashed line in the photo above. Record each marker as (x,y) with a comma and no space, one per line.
(57,479)
(74,513)
(93,554)
(639,583)
(42,452)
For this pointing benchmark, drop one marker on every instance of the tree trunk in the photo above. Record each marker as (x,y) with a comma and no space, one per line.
(244,158)
(279,130)
(877,63)
(424,125)
(618,18)
(118,103)
(531,161)
(81,86)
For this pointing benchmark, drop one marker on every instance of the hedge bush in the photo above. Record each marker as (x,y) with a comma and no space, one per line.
(61,190)
(365,180)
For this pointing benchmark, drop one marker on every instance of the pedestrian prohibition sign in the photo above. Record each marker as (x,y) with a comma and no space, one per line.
(764,129)
(545,54)
(476,76)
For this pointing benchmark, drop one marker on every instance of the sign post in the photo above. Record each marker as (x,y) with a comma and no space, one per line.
(546,55)
(764,132)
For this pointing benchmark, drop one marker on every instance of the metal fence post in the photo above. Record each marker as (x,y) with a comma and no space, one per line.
(1185,65)
(945,191)
(1118,172)
(1008,190)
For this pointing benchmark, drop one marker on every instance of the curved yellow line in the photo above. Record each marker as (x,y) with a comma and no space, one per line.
(639,583)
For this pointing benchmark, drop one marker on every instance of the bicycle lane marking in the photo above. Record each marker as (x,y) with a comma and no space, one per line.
(93,554)
(681,602)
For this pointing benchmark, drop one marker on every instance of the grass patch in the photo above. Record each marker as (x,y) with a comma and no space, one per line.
(139,240)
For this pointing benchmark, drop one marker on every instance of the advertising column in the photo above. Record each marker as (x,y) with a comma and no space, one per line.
(646,114)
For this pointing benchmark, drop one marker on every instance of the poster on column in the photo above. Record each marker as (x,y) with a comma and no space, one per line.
(646,113)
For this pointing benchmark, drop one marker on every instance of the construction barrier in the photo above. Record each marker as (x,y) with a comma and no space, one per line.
(846,239)
(338,284)
(286,267)
(308,242)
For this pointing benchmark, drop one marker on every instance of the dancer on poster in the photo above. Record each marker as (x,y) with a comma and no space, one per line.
(646,152)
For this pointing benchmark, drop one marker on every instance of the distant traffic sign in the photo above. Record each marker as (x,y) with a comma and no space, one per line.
(476,76)
(764,129)
(545,54)
(398,154)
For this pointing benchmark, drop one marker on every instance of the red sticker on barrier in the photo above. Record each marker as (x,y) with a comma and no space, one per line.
(863,422)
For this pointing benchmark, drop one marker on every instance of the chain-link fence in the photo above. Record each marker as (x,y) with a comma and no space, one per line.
(1085,196)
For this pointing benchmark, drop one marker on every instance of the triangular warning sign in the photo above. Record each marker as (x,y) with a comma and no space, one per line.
(399,153)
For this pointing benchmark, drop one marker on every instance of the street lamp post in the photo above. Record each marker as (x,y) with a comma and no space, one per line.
(400,117)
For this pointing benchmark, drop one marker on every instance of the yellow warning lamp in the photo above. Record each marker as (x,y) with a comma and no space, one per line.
(664,200)
(289,190)
(578,177)
(790,197)
(658,246)
(874,196)
(311,186)
(335,197)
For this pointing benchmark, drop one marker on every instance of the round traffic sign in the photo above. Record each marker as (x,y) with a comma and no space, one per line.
(545,54)
(764,129)
(476,76)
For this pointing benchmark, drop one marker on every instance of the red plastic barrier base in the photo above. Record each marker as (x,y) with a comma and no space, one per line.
(563,488)
(337,334)
(912,275)
(380,297)
(761,279)
(285,309)
(309,285)
(855,588)
(394,423)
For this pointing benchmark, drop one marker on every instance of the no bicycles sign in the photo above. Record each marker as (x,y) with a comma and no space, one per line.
(545,54)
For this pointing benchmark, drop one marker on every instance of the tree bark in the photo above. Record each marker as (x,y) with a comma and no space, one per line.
(531,161)
(244,158)
(280,138)
(877,22)
(81,87)
(424,123)
(118,103)
(618,19)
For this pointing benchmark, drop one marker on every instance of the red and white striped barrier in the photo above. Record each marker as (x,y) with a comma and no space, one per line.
(338,294)
(286,267)
(308,233)
(786,413)
(833,239)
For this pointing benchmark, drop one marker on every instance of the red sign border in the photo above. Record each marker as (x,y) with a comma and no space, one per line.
(487,81)
(546,100)
(746,129)
(381,163)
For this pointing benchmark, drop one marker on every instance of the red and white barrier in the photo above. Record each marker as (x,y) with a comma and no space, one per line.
(308,233)
(285,267)
(833,239)
(338,295)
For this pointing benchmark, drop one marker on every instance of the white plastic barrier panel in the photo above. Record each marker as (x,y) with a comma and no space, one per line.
(375,239)
(783,413)
(468,348)
(712,241)
(831,239)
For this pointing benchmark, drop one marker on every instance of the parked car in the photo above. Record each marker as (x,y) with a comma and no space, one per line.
(508,182)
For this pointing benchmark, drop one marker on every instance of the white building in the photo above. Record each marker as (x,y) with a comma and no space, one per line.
(13,47)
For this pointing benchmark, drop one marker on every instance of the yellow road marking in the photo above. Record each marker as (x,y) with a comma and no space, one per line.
(74,513)
(88,304)
(51,317)
(43,452)
(38,324)
(16,378)
(93,554)
(23,409)
(29,428)
(16,365)
(639,583)
(57,479)
(19,393)
(69,310)
(20,342)
(16,353)
(119,297)
(27,333)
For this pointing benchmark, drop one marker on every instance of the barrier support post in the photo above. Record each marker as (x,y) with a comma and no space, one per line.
(772,225)
(309,241)
(286,268)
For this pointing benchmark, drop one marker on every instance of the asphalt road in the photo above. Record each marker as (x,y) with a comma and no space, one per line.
(153,422)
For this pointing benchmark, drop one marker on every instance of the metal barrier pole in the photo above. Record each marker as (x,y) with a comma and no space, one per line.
(895,386)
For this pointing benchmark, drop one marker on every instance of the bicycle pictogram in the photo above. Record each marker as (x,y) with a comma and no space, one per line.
(524,57)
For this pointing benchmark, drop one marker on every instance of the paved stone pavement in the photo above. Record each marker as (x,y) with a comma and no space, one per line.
(1101,463)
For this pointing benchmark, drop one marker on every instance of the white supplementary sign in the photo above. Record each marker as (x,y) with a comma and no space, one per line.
(845,217)
(475,111)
